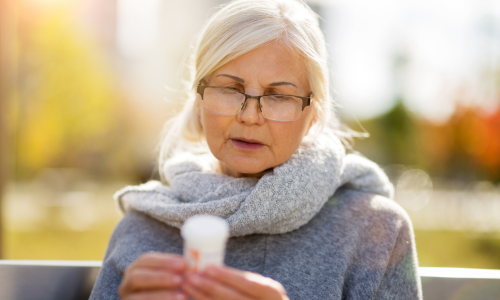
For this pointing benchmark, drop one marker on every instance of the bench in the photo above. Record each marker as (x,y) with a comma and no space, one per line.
(73,280)
(44,280)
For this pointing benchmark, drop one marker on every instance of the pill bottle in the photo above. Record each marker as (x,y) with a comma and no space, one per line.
(205,240)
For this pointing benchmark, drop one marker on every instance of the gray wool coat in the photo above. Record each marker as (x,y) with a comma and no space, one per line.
(358,246)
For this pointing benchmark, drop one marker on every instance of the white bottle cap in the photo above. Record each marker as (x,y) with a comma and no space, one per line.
(205,230)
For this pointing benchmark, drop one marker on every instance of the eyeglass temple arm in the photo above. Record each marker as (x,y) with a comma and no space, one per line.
(306,101)
(200,90)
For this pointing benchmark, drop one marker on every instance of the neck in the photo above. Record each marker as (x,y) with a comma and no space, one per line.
(224,169)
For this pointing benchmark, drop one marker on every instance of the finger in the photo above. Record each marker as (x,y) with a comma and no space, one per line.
(156,295)
(213,289)
(194,293)
(156,260)
(249,283)
(143,279)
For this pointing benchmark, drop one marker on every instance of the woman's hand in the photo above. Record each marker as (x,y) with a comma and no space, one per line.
(154,276)
(224,283)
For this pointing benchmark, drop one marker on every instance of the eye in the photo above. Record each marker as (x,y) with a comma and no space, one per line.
(228,91)
(281,99)
(279,91)
(233,87)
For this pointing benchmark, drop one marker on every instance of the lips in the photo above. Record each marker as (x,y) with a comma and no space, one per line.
(249,141)
(246,144)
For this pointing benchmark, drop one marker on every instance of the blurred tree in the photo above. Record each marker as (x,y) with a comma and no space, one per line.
(466,147)
(69,111)
(3,100)
(437,144)
(472,147)
(7,82)
(399,136)
(392,137)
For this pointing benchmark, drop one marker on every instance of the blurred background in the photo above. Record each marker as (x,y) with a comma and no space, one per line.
(86,85)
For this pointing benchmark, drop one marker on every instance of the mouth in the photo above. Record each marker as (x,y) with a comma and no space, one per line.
(247,144)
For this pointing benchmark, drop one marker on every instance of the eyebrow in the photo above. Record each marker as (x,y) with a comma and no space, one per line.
(233,77)
(241,80)
(282,83)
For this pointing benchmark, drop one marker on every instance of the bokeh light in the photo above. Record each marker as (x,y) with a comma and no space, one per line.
(414,189)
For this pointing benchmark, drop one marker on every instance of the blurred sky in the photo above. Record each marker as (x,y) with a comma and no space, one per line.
(432,53)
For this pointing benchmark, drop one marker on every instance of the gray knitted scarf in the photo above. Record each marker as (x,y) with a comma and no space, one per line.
(284,199)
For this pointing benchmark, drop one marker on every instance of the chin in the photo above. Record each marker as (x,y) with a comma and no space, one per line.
(247,169)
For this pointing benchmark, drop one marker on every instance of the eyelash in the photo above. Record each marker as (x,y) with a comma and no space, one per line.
(267,92)
(238,87)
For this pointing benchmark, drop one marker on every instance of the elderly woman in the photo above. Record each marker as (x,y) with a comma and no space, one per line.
(256,145)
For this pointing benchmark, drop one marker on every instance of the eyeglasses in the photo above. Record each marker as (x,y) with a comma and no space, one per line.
(228,101)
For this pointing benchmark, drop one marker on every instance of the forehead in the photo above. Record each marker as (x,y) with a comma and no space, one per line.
(269,62)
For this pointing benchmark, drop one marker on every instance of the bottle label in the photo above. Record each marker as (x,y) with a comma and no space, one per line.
(199,259)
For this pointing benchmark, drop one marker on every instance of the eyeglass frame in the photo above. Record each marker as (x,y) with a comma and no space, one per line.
(306,101)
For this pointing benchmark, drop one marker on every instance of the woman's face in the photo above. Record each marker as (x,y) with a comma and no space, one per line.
(247,144)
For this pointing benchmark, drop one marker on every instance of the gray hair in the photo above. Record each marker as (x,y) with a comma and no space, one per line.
(235,29)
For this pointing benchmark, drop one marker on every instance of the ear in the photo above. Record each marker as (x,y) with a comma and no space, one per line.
(313,119)
(198,104)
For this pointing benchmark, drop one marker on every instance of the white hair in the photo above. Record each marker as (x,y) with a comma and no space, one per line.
(237,28)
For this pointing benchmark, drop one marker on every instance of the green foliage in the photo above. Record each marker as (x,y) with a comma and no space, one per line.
(69,113)
(396,132)
(392,138)
(458,249)
(465,148)
(56,245)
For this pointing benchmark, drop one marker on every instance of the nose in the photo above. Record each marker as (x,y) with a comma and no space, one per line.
(250,112)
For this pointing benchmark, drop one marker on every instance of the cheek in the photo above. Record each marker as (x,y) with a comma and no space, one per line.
(215,126)
(287,138)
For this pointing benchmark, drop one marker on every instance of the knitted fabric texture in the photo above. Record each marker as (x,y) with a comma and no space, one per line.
(282,200)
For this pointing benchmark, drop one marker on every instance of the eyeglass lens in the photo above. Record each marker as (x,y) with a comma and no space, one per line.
(274,107)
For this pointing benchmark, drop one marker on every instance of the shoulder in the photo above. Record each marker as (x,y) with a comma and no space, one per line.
(367,209)
(380,242)
(135,223)
(367,221)
(135,234)
(138,233)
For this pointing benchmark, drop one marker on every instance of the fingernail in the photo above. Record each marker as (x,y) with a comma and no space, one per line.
(177,263)
(195,279)
(177,279)
(211,271)
(179,297)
